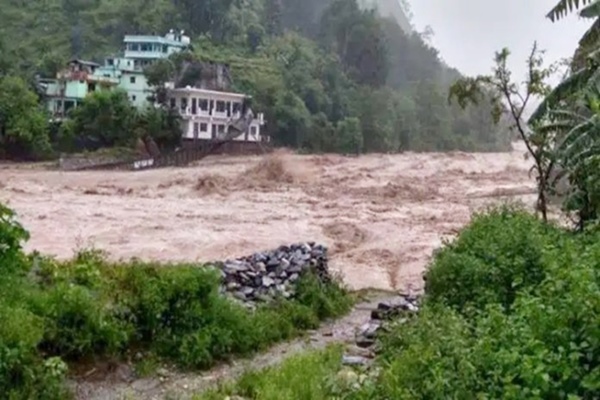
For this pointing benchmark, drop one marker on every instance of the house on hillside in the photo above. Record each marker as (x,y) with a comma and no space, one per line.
(139,52)
(208,115)
(72,84)
(79,77)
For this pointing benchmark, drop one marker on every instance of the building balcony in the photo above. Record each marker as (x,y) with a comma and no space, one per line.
(186,113)
(149,55)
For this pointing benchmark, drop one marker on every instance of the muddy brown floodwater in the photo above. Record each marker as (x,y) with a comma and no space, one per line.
(381,215)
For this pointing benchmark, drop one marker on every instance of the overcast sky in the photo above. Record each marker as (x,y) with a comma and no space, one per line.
(468,32)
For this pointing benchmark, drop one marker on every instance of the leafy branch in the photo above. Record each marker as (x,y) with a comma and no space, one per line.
(511,99)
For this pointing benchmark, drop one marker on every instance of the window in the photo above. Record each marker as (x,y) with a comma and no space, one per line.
(133,47)
(165,48)
(237,107)
(220,106)
(110,61)
(132,79)
(203,127)
(203,104)
(184,104)
(146,47)
(133,97)
(194,105)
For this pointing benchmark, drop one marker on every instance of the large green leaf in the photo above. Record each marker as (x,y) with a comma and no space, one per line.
(567,88)
(589,42)
(591,11)
(565,7)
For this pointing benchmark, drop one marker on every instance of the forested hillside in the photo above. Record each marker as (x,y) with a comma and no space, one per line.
(329,75)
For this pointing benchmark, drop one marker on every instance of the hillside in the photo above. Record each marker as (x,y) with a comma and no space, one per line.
(330,76)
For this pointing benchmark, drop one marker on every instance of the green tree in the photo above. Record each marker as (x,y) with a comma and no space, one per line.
(273,17)
(103,119)
(357,37)
(293,120)
(321,136)
(507,97)
(163,126)
(375,109)
(23,124)
(349,138)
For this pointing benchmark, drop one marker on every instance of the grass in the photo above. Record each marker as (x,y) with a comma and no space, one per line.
(307,376)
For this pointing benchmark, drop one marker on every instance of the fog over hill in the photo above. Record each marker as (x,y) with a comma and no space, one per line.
(390,8)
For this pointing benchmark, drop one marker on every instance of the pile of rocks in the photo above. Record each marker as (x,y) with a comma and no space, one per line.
(392,310)
(266,275)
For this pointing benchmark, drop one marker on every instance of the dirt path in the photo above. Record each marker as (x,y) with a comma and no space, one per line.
(121,383)
(381,215)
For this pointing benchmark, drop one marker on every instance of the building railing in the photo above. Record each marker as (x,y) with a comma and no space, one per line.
(187,112)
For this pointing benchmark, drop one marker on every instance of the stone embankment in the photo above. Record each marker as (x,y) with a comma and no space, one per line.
(266,275)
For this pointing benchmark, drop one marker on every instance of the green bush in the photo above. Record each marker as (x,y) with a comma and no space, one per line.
(499,254)
(12,236)
(548,347)
(23,372)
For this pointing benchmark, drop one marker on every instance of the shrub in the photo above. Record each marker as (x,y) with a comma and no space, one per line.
(179,312)
(12,236)
(500,253)
(547,347)
(23,373)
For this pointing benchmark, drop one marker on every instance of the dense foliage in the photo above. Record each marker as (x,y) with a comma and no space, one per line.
(56,313)
(313,67)
(504,317)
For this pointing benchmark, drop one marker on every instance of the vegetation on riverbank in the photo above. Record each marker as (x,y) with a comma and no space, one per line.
(511,310)
(55,314)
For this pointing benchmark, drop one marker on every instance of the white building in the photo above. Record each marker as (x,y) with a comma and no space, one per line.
(207,114)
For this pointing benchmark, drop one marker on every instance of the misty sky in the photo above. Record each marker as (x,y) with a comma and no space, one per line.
(468,32)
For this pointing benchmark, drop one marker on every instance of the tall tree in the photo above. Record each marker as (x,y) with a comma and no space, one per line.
(23,124)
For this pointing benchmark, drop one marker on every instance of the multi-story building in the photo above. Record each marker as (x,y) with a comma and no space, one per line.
(72,84)
(126,72)
(208,115)
(141,51)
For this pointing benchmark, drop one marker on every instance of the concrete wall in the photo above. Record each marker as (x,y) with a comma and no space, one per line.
(136,86)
